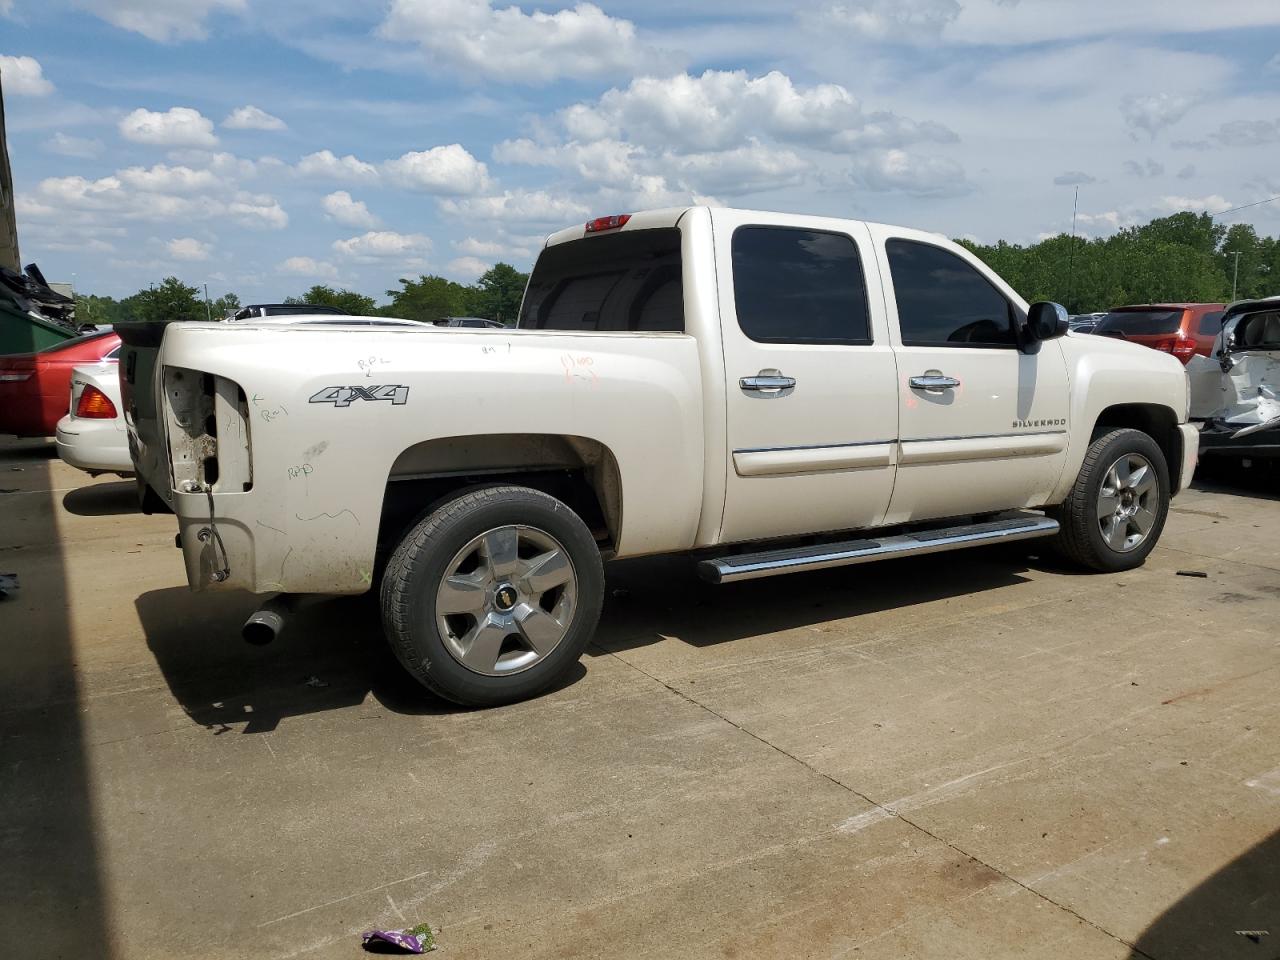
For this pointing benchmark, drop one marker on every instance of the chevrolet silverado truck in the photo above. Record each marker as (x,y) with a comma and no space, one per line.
(769,392)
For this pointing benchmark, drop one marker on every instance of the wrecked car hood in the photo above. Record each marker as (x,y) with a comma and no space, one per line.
(1238,387)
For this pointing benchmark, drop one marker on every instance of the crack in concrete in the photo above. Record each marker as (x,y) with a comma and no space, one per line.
(885,811)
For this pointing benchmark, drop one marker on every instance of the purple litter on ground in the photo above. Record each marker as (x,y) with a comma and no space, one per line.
(405,941)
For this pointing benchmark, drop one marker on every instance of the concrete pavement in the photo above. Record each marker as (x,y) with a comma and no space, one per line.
(973,755)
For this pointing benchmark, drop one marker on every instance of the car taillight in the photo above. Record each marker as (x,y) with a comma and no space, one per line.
(95,405)
(608,223)
(1181,346)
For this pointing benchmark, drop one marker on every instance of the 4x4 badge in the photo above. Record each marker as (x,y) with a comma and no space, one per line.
(342,396)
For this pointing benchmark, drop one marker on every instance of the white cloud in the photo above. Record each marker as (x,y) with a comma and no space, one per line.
(164,21)
(188,248)
(258,210)
(82,148)
(250,117)
(162,178)
(24,77)
(384,245)
(324,165)
(442,170)
(342,208)
(526,206)
(1073,178)
(719,110)
(1153,113)
(1272,65)
(307,267)
(176,127)
(1187,172)
(508,248)
(898,170)
(157,194)
(889,19)
(468,267)
(1210,204)
(510,45)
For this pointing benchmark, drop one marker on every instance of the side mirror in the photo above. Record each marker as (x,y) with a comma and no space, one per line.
(1046,320)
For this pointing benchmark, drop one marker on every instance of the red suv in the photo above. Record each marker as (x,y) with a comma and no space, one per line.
(35,388)
(1183,329)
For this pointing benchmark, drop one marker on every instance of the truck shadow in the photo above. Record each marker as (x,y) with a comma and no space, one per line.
(1234,913)
(331,655)
(652,598)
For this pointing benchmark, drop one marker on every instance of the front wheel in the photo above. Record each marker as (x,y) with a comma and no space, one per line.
(1113,516)
(493,596)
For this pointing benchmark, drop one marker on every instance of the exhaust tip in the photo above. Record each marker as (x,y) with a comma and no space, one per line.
(258,633)
(267,622)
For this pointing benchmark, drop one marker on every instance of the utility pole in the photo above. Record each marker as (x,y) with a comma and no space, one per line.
(1071,250)
(207,315)
(1236,275)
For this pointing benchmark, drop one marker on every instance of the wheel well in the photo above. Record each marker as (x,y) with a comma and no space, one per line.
(1158,422)
(579,471)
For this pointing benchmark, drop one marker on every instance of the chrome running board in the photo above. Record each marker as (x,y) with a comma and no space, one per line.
(767,563)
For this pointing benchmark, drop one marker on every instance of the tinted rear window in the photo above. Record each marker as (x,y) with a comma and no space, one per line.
(1140,322)
(619,281)
(799,286)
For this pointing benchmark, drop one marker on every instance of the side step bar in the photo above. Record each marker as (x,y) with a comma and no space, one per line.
(767,563)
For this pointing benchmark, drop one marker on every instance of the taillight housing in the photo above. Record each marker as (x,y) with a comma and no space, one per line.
(615,222)
(95,405)
(1180,345)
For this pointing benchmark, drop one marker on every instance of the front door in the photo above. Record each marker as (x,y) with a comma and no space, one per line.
(982,425)
(811,378)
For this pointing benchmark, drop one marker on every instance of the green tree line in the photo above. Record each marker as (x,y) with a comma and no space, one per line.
(495,296)
(1184,257)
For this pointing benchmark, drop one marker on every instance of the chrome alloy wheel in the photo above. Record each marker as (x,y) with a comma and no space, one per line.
(1128,502)
(507,600)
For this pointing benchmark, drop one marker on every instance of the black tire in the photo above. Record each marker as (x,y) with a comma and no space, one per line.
(1080,539)
(419,564)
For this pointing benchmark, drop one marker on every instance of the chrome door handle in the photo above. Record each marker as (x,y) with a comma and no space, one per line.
(770,384)
(933,381)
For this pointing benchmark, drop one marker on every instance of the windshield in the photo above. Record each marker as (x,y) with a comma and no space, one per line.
(620,281)
(1139,322)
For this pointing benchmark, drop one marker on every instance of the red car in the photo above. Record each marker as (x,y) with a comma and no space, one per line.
(1183,329)
(35,388)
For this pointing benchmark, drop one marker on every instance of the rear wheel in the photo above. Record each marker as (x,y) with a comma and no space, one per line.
(1117,507)
(493,596)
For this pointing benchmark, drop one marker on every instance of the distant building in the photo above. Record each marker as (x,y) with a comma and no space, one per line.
(8,221)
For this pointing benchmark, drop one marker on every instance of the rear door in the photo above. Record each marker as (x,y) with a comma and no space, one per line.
(810,396)
(983,427)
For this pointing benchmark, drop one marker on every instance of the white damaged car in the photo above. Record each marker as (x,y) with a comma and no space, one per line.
(1235,392)
(92,436)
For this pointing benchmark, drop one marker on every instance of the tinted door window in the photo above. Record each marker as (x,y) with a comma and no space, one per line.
(799,286)
(943,301)
(1211,323)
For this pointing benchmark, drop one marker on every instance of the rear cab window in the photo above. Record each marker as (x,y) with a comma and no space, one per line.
(627,281)
(1211,323)
(943,301)
(794,285)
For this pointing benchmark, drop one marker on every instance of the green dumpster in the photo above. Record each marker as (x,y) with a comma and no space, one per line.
(23,333)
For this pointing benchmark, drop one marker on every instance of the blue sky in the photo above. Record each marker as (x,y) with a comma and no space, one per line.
(261,146)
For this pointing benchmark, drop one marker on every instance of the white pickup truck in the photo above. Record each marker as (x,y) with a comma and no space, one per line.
(753,387)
